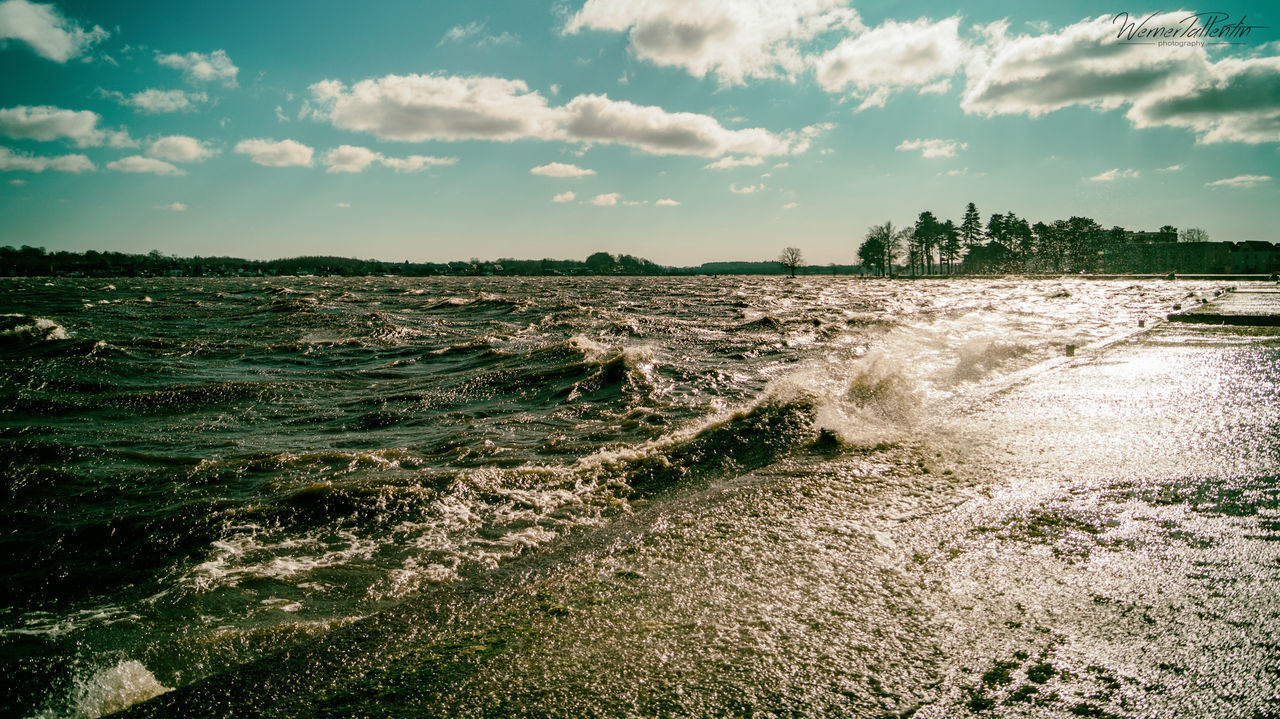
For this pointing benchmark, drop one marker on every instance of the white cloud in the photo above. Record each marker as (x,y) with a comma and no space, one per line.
(18,183)
(732,39)
(502,38)
(606,200)
(1081,64)
(49,34)
(473,33)
(418,108)
(564,197)
(180,148)
(749,189)
(460,33)
(791,205)
(560,169)
(201,67)
(343,204)
(1115,174)
(895,55)
(285,153)
(349,158)
(156,101)
(940,87)
(596,118)
(877,98)
(1089,64)
(729,162)
(933,148)
(1240,181)
(634,203)
(44,122)
(667,202)
(11,161)
(118,139)
(415,163)
(1237,100)
(1170,168)
(173,207)
(148,165)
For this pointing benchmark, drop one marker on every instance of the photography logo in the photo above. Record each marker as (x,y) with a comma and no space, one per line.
(1176,30)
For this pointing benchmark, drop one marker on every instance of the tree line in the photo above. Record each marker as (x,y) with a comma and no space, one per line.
(36,261)
(1006,243)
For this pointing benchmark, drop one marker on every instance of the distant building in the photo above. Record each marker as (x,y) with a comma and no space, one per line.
(1160,252)
(1255,257)
(1144,236)
(1213,258)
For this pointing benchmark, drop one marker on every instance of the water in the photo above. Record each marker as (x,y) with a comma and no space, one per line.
(199,472)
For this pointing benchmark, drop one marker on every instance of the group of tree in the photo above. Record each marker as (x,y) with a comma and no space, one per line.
(36,261)
(1007,243)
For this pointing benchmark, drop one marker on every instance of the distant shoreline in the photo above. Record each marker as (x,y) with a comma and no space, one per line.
(37,262)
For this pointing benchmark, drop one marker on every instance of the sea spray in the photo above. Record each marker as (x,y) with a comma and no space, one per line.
(105,691)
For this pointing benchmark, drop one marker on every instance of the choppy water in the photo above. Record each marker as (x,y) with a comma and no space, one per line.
(197,472)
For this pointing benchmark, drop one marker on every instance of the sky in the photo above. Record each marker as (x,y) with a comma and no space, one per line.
(683,131)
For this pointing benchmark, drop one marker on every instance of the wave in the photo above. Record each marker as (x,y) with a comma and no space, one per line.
(20,328)
(188,397)
(105,691)
(483,303)
(578,368)
(734,442)
(979,357)
(291,304)
(763,324)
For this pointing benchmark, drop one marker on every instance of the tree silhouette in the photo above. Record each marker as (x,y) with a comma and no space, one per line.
(1019,238)
(790,259)
(923,240)
(881,248)
(1083,239)
(948,244)
(971,227)
(1193,234)
(1049,252)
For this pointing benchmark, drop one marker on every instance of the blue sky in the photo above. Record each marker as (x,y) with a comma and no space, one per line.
(679,130)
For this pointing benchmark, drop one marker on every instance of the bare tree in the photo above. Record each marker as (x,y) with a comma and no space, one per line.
(1193,234)
(790,259)
(882,247)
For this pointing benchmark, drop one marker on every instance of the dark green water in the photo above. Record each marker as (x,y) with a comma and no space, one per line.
(198,473)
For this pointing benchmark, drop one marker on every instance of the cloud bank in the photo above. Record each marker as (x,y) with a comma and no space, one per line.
(349,158)
(734,40)
(144,165)
(420,108)
(11,161)
(562,170)
(270,153)
(933,148)
(46,31)
(201,67)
